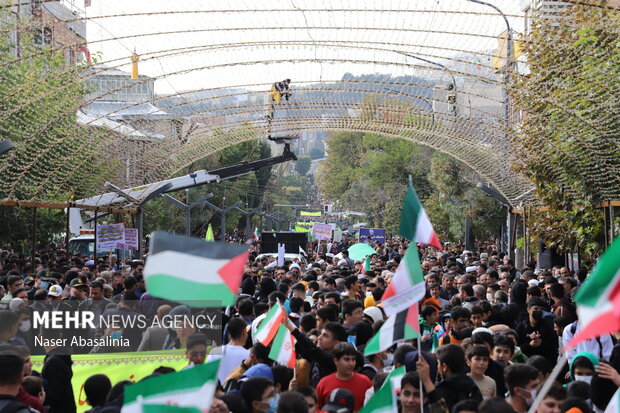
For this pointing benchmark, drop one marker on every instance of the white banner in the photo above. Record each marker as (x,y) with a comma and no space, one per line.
(322,232)
(110,236)
(131,239)
(281,250)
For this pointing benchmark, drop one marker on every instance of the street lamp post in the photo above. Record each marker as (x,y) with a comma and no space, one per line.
(453,90)
(509,56)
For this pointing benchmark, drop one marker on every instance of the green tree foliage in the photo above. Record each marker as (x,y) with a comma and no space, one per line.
(374,181)
(302,166)
(54,158)
(316,153)
(569,143)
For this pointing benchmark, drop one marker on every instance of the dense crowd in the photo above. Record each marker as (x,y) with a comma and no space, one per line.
(490,333)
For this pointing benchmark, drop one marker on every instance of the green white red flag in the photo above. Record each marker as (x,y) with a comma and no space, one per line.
(398,327)
(190,388)
(268,328)
(598,299)
(191,270)
(407,285)
(414,223)
(283,348)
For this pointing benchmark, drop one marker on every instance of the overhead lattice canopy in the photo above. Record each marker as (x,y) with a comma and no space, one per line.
(428,71)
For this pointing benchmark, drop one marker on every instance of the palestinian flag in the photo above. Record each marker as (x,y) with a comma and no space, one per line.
(187,388)
(268,328)
(598,299)
(383,401)
(614,403)
(186,270)
(407,285)
(398,327)
(395,378)
(414,223)
(283,348)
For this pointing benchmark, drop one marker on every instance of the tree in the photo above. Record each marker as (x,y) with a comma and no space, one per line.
(316,153)
(569,142)
(303,164)
(54,158)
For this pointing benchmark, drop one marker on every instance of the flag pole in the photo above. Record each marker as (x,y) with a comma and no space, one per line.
(420,355)
(545,388)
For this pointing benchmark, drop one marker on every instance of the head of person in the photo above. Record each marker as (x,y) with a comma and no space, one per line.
(196,348)
(535,307)
(430,314)
(466,406)
(553,399)
(352,311)
(583,366)
(542,365)
(9,323)
(339,401)
(478,360)
(503,349)
(331,334)
(477,315)
(345,358)
(11,369)
(494,405)
(451,360)
(311,398)
(96,388)
(237,330)
(522,381)
(410,393)
(460,318)
(259,395)
(292,402)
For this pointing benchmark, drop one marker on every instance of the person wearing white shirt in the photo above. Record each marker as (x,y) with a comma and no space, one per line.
(233,353)
(601,347)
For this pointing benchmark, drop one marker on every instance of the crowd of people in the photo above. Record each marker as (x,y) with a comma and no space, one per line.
(490,333)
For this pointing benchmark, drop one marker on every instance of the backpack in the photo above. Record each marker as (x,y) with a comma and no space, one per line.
(573,329)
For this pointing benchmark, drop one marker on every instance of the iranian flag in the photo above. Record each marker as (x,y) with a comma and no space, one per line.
(283,348)
(268,328)
(256,234)
(407,285)
(383,401)
(187,388)
(598,299)
(398,327)
(189,270)
(414,223)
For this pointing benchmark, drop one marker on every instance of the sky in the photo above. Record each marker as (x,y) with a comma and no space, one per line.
(194,45)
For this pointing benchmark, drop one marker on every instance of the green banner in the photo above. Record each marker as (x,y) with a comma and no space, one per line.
(118,367)
(302,224)
(309,214)
(301,229)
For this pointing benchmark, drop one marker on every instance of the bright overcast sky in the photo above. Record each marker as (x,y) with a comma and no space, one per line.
(184,59)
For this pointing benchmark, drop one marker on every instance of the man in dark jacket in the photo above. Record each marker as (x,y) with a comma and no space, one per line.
(535,336)
(456,385)
(58,373)
(320,357)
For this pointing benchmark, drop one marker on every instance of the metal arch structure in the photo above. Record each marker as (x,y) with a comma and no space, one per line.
(205,72)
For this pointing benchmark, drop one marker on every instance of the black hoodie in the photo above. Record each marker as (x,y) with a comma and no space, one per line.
(458,387)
